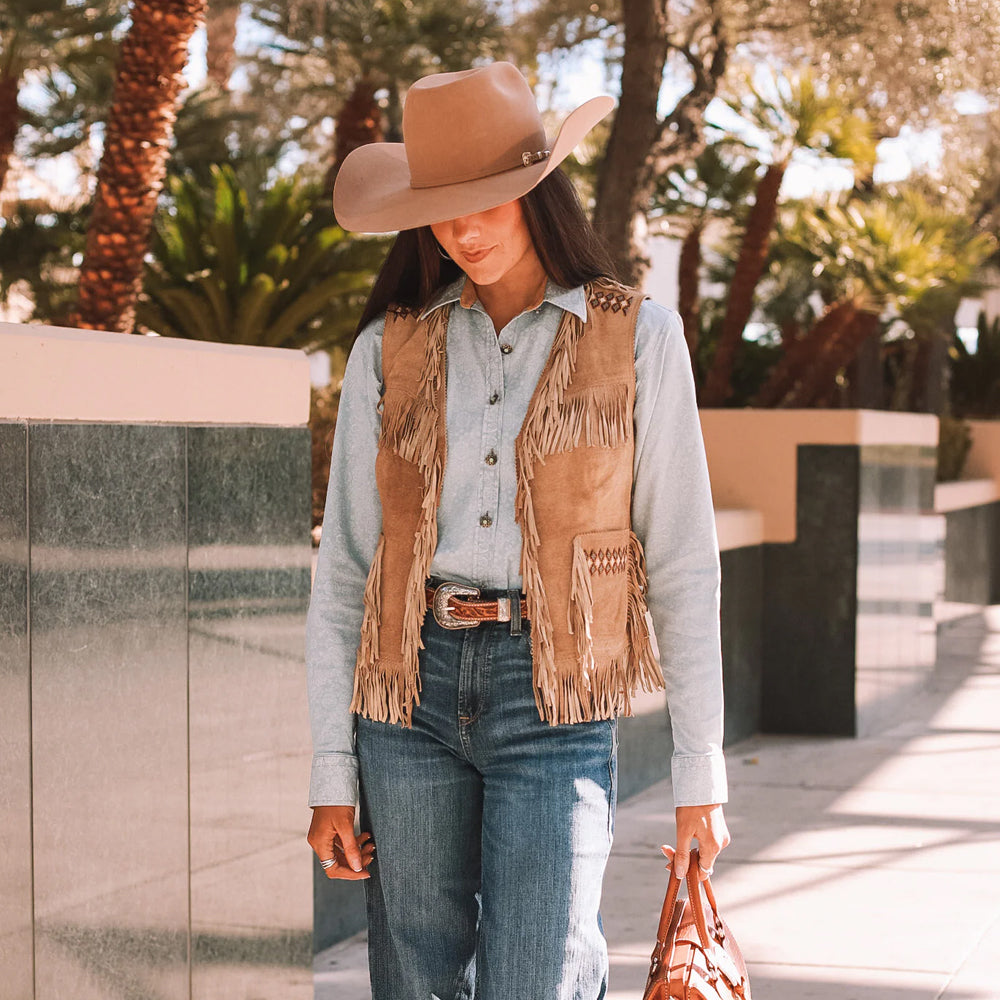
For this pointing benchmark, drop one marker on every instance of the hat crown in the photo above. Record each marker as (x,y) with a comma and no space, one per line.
(470,124)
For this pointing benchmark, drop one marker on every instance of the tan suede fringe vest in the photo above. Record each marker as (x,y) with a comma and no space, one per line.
(582,568)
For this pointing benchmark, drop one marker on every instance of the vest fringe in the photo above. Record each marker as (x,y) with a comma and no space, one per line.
(598,416)
(600,695)
(405,423)
(553,700)
(429,458)
(385,694)
(580,612)
(604,687)
(389,691)
(368,647)
(381,691)
(581,690)
(642,669)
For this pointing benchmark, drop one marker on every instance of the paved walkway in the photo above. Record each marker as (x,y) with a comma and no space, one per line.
(863,869)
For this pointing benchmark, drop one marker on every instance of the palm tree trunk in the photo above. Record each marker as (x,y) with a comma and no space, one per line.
(642,146)
(930,364)
(359,122)
(136,147)
(688,274)
(837,352)
(220,31)
(749,268)
(393,114)
(623,183)
(10,120)
(799,354)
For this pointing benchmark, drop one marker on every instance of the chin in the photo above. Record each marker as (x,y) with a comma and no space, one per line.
(485,273)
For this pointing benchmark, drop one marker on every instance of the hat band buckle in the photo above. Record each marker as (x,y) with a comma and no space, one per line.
(528,158)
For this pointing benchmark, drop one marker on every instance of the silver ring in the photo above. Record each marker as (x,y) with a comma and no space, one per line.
(329,863)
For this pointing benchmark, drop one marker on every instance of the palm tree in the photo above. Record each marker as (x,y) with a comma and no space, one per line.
(798,117)
(713,188)
(895,256)
(975,375)
(45,36)
(38,242)
(382,45)
(136,146)
(269,270)
(220,30)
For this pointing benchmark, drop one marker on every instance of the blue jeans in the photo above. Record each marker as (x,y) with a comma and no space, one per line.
(492,831)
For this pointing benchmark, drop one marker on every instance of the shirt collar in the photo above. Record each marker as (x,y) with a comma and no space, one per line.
(463,291)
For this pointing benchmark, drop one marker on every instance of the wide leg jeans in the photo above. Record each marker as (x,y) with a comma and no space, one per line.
(492,831)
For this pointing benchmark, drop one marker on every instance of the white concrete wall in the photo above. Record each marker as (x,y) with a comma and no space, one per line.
(54,373)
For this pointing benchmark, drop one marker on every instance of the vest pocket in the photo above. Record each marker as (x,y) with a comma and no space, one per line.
(598,600)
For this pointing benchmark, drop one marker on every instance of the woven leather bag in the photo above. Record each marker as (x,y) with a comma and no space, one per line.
(696,956)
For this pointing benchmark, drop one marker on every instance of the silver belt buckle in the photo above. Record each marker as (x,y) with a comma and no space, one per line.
(439,605)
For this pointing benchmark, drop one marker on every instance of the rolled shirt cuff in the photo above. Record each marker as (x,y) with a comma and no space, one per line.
(334,780)
(699,780)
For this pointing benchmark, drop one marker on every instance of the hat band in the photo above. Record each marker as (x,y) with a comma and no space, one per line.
(527,159)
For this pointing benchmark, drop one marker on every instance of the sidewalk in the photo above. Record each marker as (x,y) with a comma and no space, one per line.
(863,869)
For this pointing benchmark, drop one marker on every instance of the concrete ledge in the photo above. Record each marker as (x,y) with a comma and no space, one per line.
(753,454)
(737,529)
(964,493)
(54,373)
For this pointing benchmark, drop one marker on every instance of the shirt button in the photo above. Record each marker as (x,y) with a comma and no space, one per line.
(494,398)
(485,521)
(506,348)
(491,457)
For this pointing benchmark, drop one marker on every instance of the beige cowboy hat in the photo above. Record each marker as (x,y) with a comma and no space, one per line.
(472,140)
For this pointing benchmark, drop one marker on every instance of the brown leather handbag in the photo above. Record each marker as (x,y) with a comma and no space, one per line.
(696,956)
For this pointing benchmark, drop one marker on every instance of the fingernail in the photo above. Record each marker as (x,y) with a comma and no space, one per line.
(356,865)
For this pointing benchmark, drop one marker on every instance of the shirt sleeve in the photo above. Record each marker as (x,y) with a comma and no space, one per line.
(674,518)
(352,521)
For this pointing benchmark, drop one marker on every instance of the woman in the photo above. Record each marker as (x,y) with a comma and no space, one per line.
(518,486)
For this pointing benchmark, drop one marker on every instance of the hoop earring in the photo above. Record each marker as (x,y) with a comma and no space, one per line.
(442,251)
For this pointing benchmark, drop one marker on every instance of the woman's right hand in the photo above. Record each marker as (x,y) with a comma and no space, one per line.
(331,835)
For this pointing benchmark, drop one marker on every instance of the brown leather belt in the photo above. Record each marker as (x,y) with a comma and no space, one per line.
(458,606)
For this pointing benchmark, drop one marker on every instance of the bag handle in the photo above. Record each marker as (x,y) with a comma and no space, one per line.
(666,914)
(695,898)
(694,884)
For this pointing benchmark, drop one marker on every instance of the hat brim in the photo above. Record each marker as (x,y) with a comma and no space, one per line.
(372,193)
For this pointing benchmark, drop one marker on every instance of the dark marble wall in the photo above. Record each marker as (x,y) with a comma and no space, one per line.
(16,909)
(338,909)
(972,554)
(167,723)
(644,744)
(810,600)
(742,639)
(849,628)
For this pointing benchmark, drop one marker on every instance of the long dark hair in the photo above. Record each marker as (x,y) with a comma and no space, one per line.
(570,251)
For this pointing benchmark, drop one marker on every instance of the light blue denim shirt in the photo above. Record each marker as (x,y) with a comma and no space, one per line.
(490,381)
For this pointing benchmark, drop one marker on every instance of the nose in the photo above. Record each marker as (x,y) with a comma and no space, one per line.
(465,229)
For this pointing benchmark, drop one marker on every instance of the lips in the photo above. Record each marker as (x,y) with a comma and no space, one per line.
(474,256)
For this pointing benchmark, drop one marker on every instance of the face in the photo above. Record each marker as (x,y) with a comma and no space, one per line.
(489,244)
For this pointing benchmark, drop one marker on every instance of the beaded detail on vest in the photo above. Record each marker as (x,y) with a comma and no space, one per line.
(582,568)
